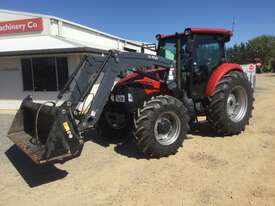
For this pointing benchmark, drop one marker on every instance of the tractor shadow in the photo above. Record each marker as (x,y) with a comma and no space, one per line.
(36,175)
(126,146)
(122,145)
(203,129)
(33,174)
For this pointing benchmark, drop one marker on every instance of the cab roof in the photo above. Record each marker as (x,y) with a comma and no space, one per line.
(193,30)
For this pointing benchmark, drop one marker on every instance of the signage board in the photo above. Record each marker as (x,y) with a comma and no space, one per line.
(21,26)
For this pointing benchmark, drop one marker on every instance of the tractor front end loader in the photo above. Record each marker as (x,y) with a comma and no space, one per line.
(154,98)
(45,133)
(50,133)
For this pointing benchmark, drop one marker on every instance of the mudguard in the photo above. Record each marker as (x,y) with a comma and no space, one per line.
(218,74)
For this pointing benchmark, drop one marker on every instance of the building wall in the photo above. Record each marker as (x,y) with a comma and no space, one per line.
(11,83)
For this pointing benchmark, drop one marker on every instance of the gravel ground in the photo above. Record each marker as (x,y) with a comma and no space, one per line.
(5,143)
(208,170)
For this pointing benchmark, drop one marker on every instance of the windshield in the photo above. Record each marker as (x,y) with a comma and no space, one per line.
(167,48)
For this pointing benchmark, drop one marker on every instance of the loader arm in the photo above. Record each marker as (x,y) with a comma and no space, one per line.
(114,64)
(54,133)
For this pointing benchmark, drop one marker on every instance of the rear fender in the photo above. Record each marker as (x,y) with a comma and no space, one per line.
(217,76)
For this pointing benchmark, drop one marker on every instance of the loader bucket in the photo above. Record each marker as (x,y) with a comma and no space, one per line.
(44,133)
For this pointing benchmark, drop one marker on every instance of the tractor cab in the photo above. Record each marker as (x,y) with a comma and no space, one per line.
(197,52)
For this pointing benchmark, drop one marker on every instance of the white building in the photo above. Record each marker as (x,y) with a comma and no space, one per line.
(38,53)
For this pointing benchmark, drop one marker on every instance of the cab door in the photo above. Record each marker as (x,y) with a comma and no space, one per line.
(208,54)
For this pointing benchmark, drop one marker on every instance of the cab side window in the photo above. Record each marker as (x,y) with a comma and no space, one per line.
(208,52)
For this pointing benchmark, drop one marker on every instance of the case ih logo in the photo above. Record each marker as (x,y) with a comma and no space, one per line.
(20,26)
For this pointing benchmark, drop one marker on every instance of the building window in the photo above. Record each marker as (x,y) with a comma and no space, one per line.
(45,73)
(129,49)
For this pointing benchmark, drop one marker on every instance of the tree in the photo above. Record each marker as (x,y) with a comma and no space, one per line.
(259,49)
(263,48)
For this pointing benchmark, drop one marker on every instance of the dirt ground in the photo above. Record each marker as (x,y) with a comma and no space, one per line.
(238,170)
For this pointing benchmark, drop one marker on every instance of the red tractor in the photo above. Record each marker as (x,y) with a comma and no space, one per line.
(155,99)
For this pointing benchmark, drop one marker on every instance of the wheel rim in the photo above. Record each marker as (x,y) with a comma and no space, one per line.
(167,128)
(237,103)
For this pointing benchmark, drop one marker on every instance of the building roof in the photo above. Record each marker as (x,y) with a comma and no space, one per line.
(72,23)
(40,45)
(34,43)
(39,52)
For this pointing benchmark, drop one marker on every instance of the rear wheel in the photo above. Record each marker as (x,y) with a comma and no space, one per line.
(161,126)
(230,107)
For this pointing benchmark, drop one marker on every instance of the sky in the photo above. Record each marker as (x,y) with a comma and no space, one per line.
(142,19)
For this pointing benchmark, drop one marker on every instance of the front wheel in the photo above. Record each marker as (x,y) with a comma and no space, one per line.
(160,126)
(114,123)
(230,108)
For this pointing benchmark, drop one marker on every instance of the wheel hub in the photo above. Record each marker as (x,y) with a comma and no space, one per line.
(237,103)
(164,126)
(167,128)
(231,103)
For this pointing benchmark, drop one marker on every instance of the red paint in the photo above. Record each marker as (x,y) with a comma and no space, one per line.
(154,86)
(150,91)
(130,77)
(211,31)
(201,31)
(21,26)
(217,75)
(150,85)
(133,76)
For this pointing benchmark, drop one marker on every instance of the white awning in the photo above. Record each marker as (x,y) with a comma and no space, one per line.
(35,43)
